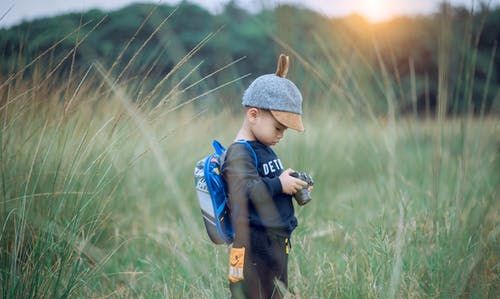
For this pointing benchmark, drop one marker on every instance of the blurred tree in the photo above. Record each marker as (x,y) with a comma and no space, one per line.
(325,48)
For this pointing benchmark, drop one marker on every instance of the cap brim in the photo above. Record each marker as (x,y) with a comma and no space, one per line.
(289,119)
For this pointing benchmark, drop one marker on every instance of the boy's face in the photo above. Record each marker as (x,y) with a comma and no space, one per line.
(265,127)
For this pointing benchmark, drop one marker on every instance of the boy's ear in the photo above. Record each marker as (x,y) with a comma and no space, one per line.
(252,113)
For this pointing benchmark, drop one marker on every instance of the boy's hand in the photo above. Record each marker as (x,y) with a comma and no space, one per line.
(289,184)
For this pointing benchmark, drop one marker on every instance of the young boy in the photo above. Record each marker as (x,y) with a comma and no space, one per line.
(260,197)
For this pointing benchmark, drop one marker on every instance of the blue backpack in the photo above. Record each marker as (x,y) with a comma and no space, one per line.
(212,194)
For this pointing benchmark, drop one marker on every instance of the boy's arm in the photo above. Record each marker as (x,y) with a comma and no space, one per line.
(243,178)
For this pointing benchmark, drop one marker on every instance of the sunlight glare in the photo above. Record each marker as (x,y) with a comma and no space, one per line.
(375,10)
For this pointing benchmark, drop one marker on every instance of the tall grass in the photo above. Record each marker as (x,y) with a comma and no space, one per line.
(97,196)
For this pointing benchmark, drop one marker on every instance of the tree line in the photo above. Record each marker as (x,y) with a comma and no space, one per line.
(414,53)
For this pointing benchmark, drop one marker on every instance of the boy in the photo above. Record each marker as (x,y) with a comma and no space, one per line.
(260,197)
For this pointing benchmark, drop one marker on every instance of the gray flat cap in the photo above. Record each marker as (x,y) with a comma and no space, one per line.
(280,96)
(273,93)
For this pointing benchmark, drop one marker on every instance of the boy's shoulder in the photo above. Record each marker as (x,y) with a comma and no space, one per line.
(243,147)
(253,152)
(240,149)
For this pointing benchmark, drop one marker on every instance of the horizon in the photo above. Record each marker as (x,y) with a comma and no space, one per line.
(375,11)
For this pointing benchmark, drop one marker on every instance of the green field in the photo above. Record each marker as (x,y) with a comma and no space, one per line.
(97,200)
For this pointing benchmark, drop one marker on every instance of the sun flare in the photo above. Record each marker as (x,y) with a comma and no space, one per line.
(375,10)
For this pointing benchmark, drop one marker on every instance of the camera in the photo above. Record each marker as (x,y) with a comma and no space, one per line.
(303,196)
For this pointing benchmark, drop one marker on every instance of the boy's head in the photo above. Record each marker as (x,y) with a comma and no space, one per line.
(277,97)
(264,126)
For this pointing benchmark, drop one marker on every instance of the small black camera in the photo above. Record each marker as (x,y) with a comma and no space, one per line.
(303,196)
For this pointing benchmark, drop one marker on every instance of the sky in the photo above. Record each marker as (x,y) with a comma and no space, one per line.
(14,11)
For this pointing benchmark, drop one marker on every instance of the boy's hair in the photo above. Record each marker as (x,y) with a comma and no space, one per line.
(278,95)
(250,107)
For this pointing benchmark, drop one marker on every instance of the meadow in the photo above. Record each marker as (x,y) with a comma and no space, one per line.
(98,201)
(97,192)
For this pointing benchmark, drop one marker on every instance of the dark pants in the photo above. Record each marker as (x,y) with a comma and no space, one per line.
(266,260)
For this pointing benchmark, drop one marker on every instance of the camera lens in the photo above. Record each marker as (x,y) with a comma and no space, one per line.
(303,196)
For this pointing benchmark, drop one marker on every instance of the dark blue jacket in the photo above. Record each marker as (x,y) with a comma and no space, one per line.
(255,194)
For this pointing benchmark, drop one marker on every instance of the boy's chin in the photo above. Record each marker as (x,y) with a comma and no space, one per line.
(268,143)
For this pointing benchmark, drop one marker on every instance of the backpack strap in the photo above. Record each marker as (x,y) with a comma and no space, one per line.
(219,148)
(250,148)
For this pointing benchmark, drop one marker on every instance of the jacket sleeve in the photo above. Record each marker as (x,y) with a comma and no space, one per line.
(243,179)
